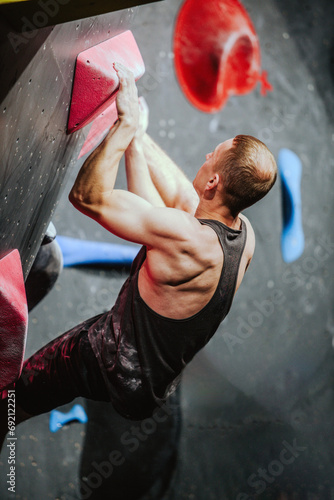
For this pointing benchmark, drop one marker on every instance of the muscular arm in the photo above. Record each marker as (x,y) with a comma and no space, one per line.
(173,186)
(123,213)
(96,178)
(137,173)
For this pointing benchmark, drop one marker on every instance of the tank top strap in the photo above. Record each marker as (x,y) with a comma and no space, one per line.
(233,243)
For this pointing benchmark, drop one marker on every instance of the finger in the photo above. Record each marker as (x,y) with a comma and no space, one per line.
(120,66)
(121,74)
(124,74)
(127,83)
(143,105)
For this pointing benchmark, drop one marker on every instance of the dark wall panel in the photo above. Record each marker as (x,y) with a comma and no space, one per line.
(35,151)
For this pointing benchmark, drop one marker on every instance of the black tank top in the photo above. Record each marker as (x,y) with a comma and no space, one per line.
(142,353)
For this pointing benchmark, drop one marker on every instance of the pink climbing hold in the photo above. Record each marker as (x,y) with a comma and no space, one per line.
(99,128)
(96,82)
(217,53)
(13,318)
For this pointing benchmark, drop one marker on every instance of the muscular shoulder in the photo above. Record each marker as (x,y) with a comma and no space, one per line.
(175,230)
(250,243)
(185,256)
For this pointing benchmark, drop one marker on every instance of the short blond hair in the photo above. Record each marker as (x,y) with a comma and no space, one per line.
(248,171)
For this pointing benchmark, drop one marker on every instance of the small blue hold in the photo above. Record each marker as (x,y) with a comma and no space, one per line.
(292,239)
(58,419)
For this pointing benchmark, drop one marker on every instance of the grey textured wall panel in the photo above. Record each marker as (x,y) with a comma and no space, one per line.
(36,154)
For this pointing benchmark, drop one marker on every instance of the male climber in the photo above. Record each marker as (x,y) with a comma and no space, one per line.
(196,247)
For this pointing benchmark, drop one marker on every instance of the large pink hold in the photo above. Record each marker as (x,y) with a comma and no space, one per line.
(100,126)
(217,52)
(13,318)
(96,82)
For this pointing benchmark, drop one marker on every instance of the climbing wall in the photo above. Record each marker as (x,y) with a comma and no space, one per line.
(254,418)
(36,152)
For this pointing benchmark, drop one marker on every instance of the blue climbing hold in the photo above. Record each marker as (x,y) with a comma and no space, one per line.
(59,419)
(292,239)
(79,252)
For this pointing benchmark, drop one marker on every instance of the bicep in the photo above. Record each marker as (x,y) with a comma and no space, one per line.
(134,219)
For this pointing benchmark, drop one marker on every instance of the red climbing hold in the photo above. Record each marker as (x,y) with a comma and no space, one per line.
(217,52)
(96,82)
(99,128)
(13,318)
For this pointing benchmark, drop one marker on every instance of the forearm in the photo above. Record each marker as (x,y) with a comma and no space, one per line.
(97,176)
(138,176)
(173,186)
